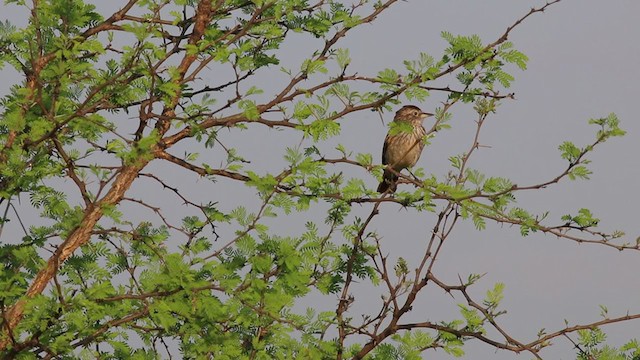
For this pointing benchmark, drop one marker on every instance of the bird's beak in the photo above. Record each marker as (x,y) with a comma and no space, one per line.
(425,115)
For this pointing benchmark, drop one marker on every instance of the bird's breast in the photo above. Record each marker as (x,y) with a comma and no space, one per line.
(403,150)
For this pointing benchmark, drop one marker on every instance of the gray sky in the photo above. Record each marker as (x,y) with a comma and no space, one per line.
(583,64)
(584,58)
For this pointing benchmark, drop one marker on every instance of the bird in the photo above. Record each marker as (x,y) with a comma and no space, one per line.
(402,149)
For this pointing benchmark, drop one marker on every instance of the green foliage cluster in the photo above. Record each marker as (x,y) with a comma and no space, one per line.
(591,345)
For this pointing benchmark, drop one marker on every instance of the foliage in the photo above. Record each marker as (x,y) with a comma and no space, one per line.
(109,270)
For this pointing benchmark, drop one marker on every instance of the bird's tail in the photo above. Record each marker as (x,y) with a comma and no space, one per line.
(388,183)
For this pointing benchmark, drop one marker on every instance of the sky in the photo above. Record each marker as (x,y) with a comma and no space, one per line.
(584,58)
(583,64)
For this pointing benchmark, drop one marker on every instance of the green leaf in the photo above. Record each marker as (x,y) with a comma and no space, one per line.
(343,58)
(249,109)
(312,66)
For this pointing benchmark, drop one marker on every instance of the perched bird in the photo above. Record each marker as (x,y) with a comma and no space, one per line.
(402,149)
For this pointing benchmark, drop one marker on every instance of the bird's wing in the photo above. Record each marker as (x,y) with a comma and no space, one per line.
(384,150)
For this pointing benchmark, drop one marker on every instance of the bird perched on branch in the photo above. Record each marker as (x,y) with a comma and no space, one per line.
(402,147)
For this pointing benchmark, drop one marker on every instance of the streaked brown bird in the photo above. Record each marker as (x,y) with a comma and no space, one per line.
(402,149)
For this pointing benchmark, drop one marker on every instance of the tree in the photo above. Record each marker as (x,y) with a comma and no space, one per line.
(109,107)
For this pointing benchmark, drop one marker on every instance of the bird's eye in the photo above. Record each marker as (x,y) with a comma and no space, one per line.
(415,112)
